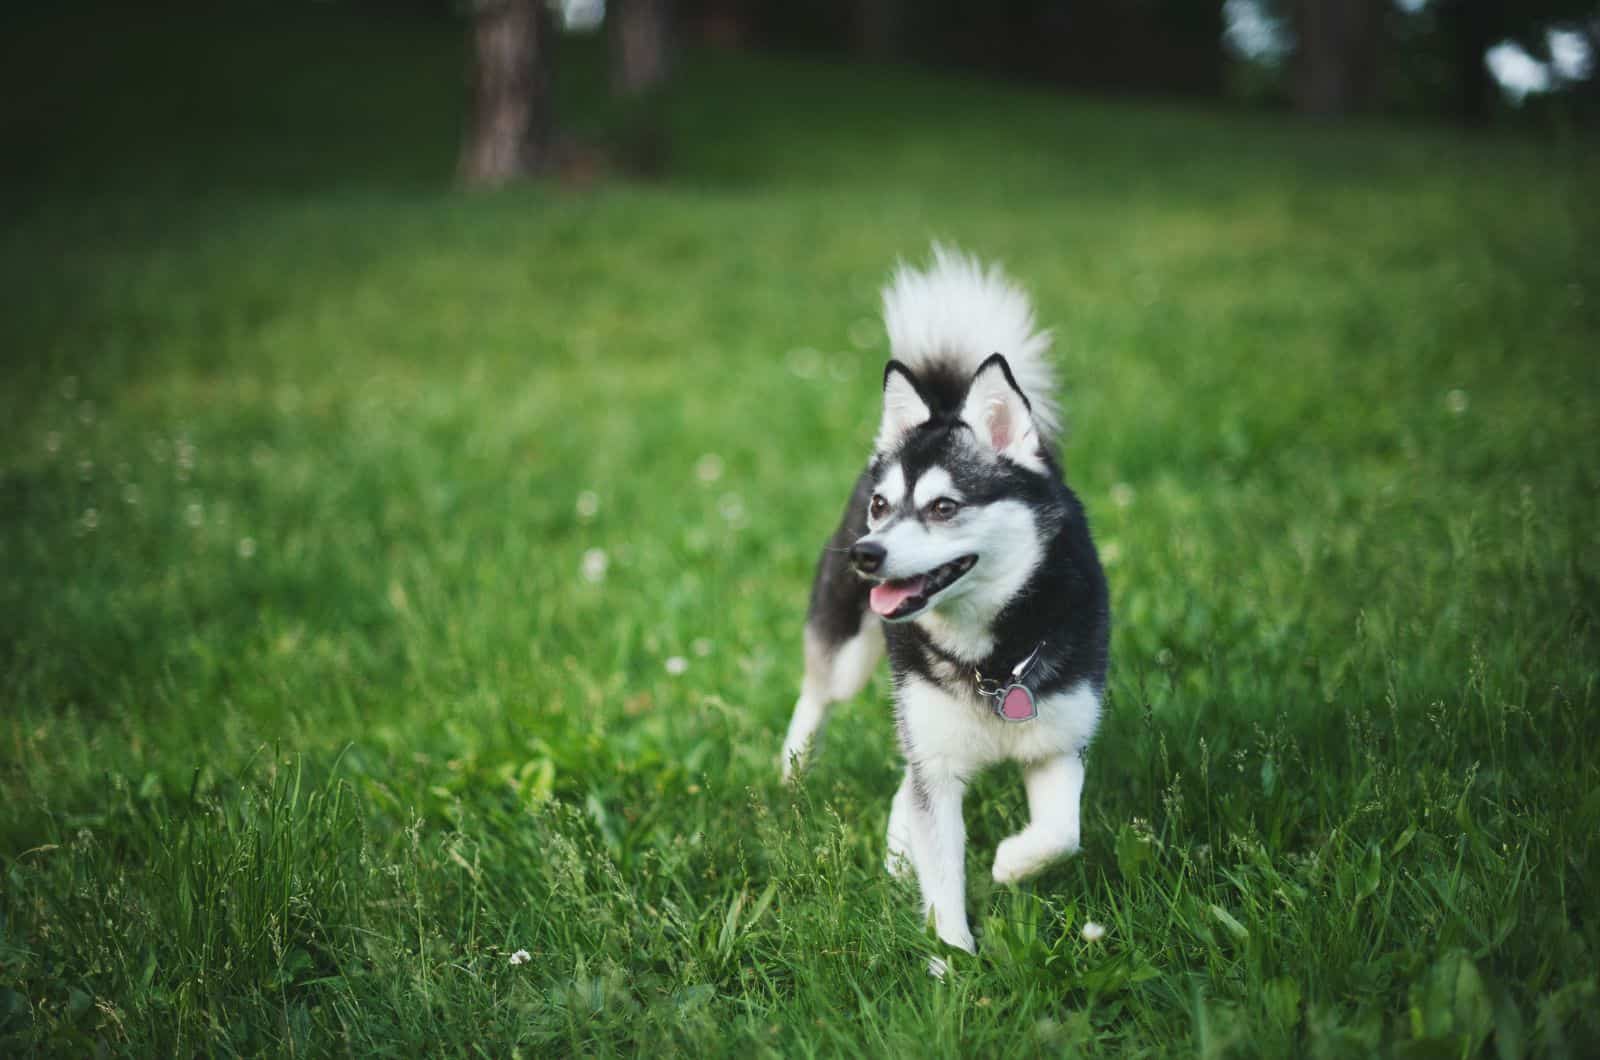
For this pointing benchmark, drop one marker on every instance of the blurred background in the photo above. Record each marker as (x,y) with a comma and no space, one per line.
(532,64)
(1467,61)
(1470,61)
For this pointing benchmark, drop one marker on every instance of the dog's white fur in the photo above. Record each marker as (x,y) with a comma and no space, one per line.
(957,307)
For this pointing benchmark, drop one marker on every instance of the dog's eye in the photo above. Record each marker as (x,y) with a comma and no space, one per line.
(943,508)
(879,507)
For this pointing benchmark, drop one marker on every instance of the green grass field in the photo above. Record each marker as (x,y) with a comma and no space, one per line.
(318,706)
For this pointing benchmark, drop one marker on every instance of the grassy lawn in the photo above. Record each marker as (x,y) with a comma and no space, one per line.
(352,531)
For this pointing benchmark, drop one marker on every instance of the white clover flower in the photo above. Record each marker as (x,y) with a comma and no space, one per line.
(865,333)
(520,957)
(676,665)
(708,468)
(594,565)
(1456,401)
(1122,494)
(1093,932)
(804,362)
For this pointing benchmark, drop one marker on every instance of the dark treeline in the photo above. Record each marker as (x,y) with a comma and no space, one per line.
(1341,57)
(1324,58)
(1424,57)
(1155,46)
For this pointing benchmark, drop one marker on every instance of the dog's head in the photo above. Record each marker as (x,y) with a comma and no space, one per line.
(961,483)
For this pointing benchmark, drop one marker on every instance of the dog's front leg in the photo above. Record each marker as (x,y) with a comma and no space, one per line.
(1055,786)
(900,854)
(834,671)
(940,857)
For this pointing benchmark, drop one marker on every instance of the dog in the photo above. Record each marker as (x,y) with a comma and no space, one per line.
(963,553)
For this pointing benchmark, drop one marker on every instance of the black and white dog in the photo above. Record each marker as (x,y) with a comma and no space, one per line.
(962,548)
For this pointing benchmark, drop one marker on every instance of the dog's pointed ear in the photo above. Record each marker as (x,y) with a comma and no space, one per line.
(903,406)
(999,414)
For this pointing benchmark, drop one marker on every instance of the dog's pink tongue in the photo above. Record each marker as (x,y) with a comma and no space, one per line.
(886,597)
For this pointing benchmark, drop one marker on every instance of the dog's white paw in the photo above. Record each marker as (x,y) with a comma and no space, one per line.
(1025,853)
(1014,859)
(938,967)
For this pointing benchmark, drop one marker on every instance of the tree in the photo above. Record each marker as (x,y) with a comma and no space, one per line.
(1336,54)
(641,50)
(879,28)
(511,128)
(641,55)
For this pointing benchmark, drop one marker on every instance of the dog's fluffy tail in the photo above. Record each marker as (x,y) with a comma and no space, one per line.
(956,312)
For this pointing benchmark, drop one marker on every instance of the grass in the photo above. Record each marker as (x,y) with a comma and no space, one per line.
(311,719)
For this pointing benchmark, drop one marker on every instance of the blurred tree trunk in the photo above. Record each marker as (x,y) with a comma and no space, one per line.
(1473,27)
(1165,46)
(642,38)
(641,59)
(510,129)
(880,28)
(1336,54)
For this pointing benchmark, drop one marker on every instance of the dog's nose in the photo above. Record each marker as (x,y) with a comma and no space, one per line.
(867,556)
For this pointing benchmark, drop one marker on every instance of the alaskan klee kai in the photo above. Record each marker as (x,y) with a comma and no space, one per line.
(964,552)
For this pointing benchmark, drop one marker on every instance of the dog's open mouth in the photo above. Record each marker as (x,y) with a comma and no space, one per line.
(903,597)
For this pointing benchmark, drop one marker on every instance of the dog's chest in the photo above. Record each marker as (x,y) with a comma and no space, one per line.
(947,721)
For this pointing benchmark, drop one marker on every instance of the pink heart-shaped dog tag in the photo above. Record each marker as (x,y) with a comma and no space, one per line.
(1018,704)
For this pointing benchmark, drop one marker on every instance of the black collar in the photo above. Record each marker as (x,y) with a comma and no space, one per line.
(1010,696)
